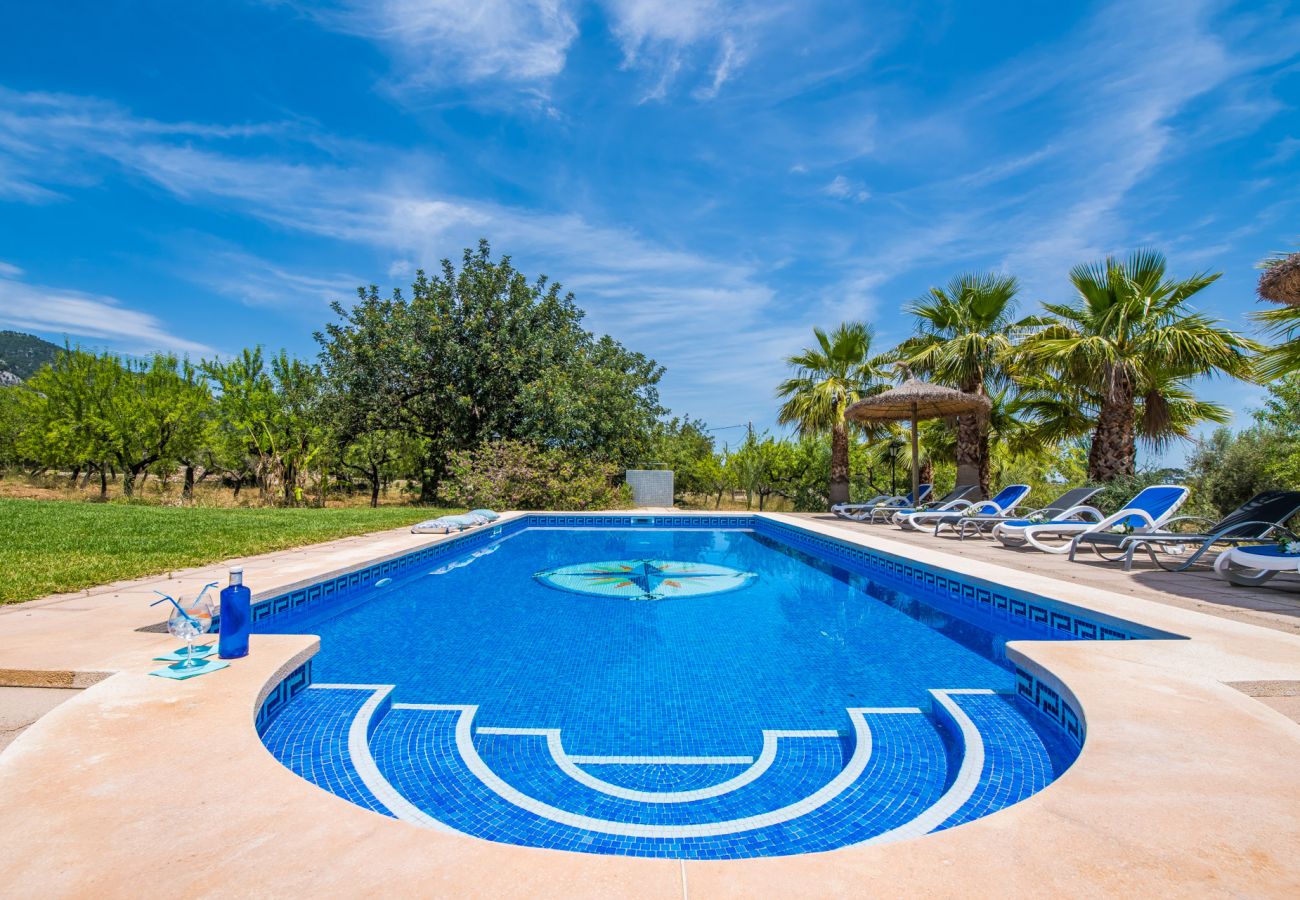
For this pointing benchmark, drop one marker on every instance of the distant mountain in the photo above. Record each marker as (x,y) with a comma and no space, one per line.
(22,354)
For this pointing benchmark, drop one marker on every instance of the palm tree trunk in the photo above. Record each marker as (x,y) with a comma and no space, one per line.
(973,444)
(1114,447)
(839,463)
(972,452)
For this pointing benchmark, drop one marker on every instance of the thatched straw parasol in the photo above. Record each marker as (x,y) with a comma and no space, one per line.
(1280,281)
(916,400)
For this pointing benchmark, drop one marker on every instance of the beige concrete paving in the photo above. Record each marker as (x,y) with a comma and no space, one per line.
(1185,786)
(1275,605)
(20,707)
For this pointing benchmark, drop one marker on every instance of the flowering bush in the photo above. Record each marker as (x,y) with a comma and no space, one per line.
(518,475)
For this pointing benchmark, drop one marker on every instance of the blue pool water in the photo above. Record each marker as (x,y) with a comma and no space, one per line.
(687,693)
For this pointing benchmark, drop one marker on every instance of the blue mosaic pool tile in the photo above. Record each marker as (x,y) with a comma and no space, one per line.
(310,738)
(802,766)
(905,774)
(1017,763)
(664,777)
(1002,601)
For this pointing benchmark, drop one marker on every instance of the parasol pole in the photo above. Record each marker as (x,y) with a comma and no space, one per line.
(916,463)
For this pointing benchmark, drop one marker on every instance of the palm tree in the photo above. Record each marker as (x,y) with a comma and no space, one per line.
(830,376)
(966,333)
(1280,283)
(1284,357)
(1164,410)
(1127,339)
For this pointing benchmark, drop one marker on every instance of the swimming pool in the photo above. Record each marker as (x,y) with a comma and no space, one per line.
(673,687)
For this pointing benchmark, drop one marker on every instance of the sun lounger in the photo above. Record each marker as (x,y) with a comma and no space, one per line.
(859,511)
(1145,513)
(1263,516)
(887,513)
(1069,505)
(1006,501)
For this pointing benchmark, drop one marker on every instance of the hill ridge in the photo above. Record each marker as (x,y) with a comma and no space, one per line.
(21,354)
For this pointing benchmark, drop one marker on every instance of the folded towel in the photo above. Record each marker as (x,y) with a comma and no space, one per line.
(486,513)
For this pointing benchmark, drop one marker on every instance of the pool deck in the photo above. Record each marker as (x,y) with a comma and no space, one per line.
(142,787)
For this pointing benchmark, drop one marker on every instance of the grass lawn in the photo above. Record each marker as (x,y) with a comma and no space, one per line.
(50,546)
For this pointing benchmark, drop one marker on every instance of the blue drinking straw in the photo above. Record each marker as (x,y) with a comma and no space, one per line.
(170,599)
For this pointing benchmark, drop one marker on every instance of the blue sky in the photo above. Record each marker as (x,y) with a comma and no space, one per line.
(712,179)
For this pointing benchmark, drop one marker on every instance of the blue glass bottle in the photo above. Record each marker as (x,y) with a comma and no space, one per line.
(236,604)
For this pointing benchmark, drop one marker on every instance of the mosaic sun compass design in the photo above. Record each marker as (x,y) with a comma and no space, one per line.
(645,579)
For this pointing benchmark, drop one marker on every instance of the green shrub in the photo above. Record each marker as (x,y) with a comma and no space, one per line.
(518,475)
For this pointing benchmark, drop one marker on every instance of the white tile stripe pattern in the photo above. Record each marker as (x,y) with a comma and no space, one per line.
(961,789)
(963,786)
(364,763)
(568,765)
(661,760)
(469,754)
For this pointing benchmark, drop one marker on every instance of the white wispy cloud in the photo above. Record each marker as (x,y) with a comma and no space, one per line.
(684,308)
(438,42)
(80,315)
(526,43)
(662,36)
(842,188)
(255,281)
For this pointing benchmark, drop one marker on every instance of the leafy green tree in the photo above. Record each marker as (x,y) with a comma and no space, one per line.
(11,426)
(271,415)
(1127,330)
(126,413)
(1280,416)
(379,456)
(1228,469)
(829,377)
(480,353)
(154,409)
(519,475)
(966,335)
(682,445)
(194,425)
(62,406)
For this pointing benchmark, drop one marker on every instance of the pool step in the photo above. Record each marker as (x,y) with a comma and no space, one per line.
(1016,762)
(896,773)
(806,791)
(310,738)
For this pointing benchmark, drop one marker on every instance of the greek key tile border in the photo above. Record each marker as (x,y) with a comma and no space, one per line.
(996,600)
(1049,703)
(289,687)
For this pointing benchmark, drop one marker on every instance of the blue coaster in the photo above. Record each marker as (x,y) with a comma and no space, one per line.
(179,671)
(178,655)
